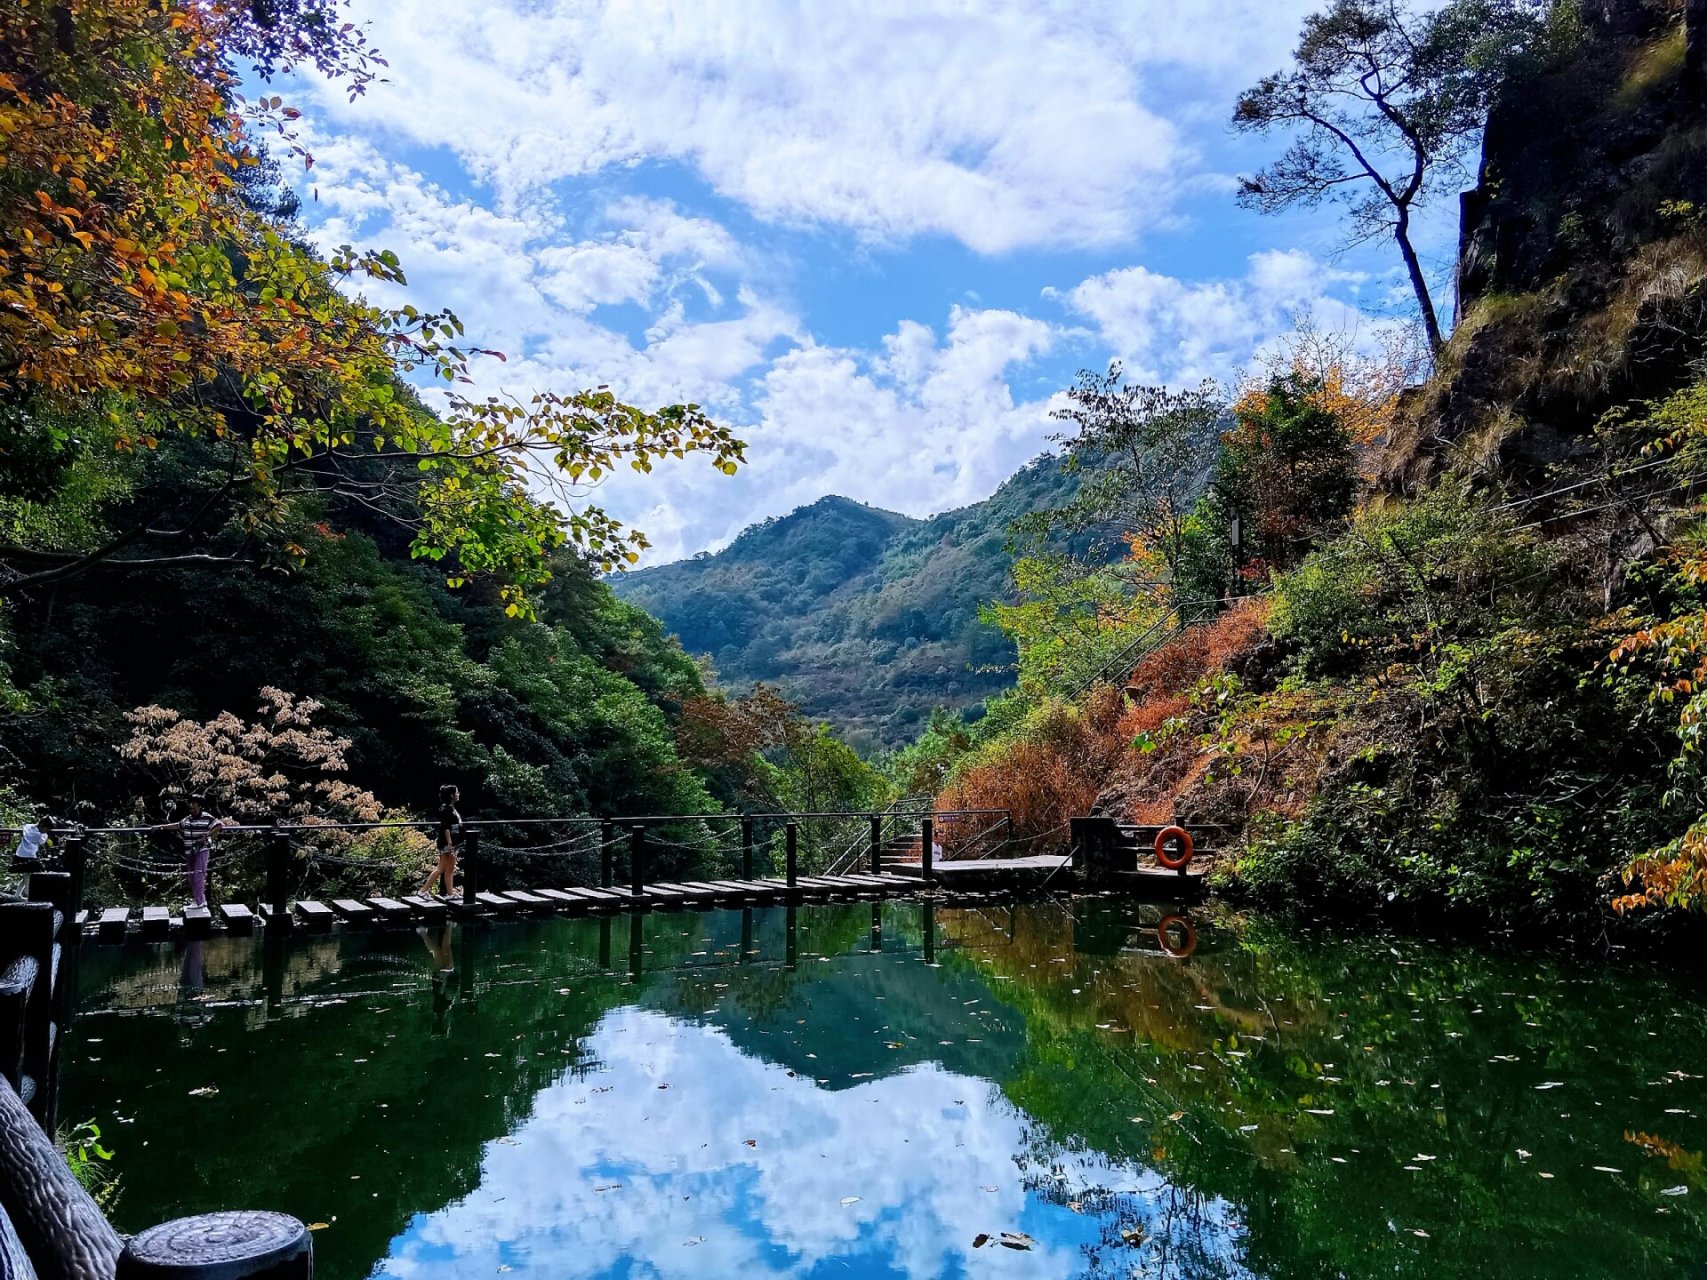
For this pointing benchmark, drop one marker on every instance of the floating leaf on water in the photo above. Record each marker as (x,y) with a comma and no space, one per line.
(847,1200)
(1016,1240)
(1551,1084)
(980,1240)
(321,1226)
(1675,1191)
(692,1240)
(989,1188)
(1606,1168)
(1177,1116)
(1133,1236)
(749,1142)
(204,1092)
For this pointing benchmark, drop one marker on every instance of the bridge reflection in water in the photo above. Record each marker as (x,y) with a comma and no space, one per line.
(871,1088)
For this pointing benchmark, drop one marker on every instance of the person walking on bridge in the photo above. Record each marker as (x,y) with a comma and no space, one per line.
(196,829)
(449,832)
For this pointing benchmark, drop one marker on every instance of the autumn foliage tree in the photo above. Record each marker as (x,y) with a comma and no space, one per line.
(145,301)
(278,766)
(1287,470)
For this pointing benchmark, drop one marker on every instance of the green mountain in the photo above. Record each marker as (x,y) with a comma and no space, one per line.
(867,618)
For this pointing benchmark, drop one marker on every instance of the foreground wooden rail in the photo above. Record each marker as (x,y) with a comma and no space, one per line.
(50,1227)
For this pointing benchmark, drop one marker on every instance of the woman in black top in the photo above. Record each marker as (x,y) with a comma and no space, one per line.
(450,831)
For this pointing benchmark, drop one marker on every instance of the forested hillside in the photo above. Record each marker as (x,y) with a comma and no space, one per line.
(866,618)
(1459,670)
(239,552)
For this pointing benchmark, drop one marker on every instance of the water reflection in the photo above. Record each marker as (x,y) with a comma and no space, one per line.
(869,1090)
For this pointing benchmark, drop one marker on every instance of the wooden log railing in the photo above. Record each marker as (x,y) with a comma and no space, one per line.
(50,1226)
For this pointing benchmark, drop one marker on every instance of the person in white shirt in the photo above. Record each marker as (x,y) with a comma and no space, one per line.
(32,839)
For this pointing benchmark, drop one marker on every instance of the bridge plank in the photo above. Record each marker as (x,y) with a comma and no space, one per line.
(525,898)
(564,900)
(113,923)
(198,922)
(492,902)
(156,923)
(584,893)
(236,917)
(316,915)
(391,909)
(430,908)
(353,910)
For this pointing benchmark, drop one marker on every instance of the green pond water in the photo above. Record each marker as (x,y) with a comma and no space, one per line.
(860,1091)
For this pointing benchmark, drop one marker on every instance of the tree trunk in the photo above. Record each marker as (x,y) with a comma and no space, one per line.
(1425,304)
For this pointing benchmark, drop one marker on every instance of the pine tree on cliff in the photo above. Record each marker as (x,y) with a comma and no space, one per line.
(1383,107)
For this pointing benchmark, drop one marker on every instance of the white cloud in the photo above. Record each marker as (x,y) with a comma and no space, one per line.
(1010,125)
(1175,331)
(922,425)
(739,1169)
(1018,125)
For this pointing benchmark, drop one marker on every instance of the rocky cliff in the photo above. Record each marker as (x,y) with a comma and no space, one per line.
(1582,273)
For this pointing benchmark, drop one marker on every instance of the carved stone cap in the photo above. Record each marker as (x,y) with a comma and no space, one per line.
(242,1245)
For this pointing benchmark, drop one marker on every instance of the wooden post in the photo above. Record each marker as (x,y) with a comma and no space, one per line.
(792,846)
(637,858)
(77,863)
(221,1246)
(636,947)
(929,909)
(877,926)
(927,833)
(604,942)
(746,848)
(470,866)
(747,951)
(278,854)
(877,844)
(791,942)
(607,855)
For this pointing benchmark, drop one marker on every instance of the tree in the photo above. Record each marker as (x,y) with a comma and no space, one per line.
(281,765)
(1383,105)
(145,299)
(1287,471)
(1066,624)
(1142,455)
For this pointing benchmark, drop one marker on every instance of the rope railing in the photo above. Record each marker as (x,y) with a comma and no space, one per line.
(281,862)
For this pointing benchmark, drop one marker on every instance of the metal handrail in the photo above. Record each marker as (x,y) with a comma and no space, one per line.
(1130,653)
(849,857)
(1005,824)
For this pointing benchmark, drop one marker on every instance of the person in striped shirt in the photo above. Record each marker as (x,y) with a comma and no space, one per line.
(196,830)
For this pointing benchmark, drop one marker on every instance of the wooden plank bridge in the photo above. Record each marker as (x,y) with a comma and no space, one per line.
(901,856)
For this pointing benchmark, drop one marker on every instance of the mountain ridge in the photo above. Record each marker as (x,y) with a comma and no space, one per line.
(866,617)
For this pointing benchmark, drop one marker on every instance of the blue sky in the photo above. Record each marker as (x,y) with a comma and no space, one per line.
(877,238)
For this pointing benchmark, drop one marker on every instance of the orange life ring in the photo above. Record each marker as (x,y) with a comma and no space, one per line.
(1188,940)
(1167,859)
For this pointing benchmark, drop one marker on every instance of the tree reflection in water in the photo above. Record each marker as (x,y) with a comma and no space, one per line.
(769,1092)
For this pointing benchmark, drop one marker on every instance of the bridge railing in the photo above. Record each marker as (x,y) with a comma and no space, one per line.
(278,863)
